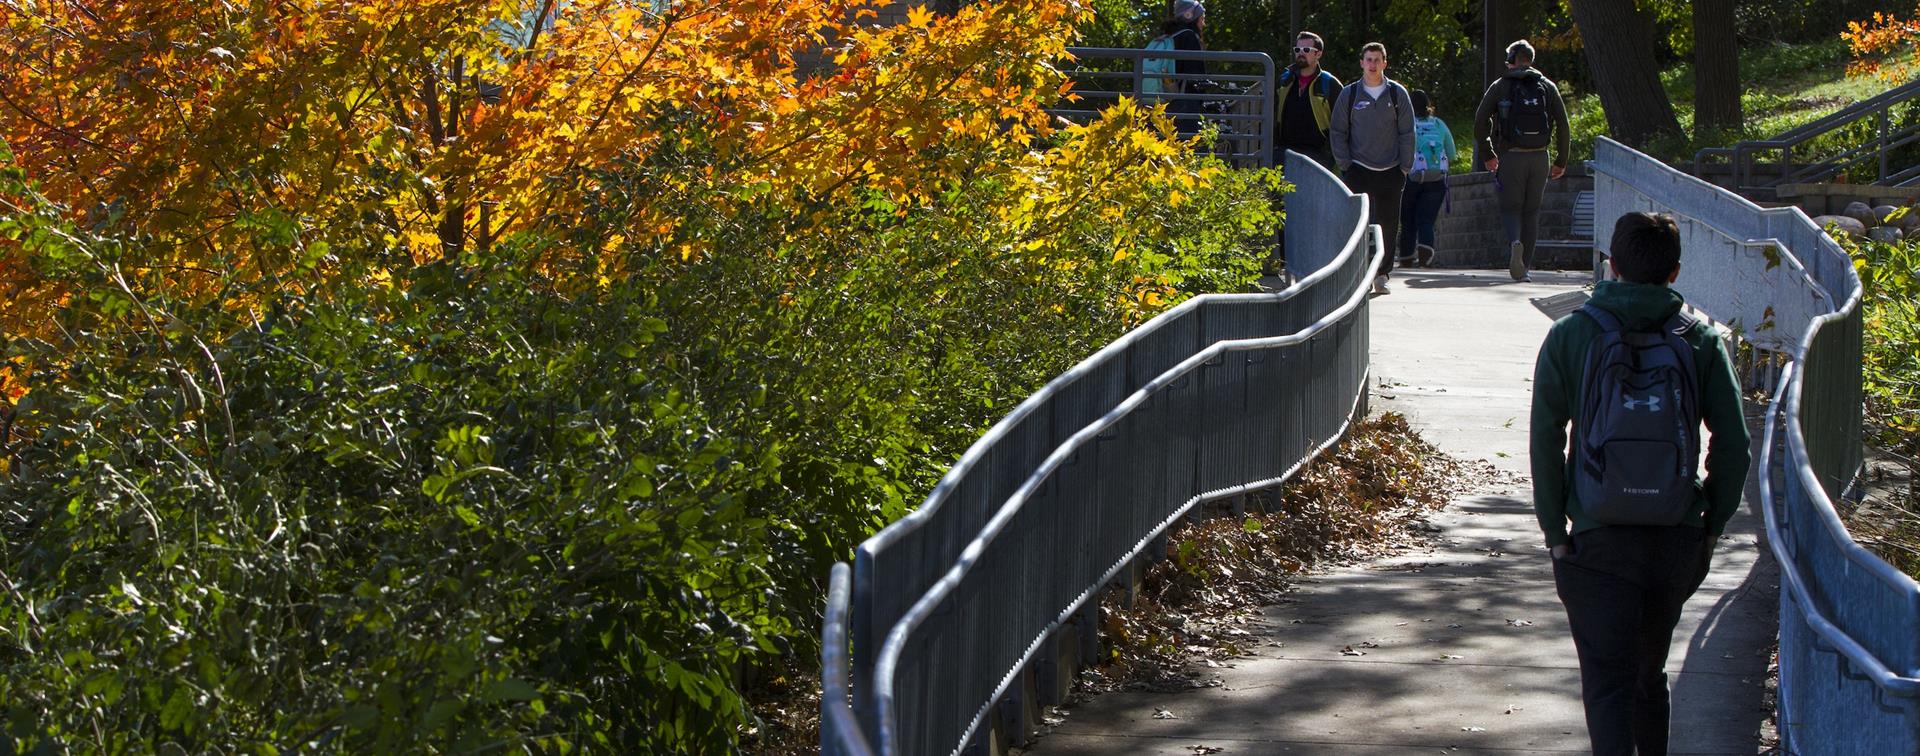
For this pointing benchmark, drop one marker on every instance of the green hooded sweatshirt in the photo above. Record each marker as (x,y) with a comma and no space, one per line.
(1556,393)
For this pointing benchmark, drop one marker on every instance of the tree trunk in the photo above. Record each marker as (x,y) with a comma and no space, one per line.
(1500,26)
(1716,68)
(1618,40)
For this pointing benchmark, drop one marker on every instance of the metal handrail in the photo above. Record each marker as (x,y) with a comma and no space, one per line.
(1311,263)
(1250,143)
(1741,155)
(890,654)
(840,731)
(885,580)
(1786,405)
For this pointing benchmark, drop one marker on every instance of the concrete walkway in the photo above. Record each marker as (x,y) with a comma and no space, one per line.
(1464,646)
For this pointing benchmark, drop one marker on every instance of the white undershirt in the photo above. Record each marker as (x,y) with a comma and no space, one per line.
(1375,92)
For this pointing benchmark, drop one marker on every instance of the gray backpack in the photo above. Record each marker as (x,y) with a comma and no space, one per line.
(1636,439)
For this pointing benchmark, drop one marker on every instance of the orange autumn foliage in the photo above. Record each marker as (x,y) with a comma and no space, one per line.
(1883,34)
(266,141)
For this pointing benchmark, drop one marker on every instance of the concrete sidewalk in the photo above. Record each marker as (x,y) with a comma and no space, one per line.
(1463,646)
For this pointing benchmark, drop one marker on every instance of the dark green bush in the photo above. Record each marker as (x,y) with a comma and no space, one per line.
(464,509)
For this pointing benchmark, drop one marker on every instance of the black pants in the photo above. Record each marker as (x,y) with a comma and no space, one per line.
(1623,587)
(1383,197)
(1420,213)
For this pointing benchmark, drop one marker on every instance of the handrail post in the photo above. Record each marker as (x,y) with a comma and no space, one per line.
(1270,108)
(1885,121)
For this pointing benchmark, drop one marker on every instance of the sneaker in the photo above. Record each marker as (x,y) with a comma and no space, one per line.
(1517,261)
(1423,255)
(1380,284)
(1404,259)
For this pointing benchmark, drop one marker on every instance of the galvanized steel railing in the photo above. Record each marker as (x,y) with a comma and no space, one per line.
(1238,97)
(1849,644)
(1793,164)
(1223,394)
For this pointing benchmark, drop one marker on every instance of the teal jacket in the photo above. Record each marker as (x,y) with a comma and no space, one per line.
(1556,392)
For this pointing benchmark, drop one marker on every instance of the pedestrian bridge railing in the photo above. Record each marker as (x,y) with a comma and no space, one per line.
(1222,395)
(1235,94)
(1849,649)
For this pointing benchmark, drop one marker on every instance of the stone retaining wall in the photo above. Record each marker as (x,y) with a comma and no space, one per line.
(1468,234)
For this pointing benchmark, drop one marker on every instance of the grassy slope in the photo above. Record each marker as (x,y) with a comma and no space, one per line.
(1791,85)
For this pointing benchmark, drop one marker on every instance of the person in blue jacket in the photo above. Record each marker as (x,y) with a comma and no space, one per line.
(1426,188)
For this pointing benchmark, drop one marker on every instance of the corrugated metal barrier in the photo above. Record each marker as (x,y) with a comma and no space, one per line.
(1224,394)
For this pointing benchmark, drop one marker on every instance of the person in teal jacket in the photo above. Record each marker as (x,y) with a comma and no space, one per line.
(1623,585)
(1426,189)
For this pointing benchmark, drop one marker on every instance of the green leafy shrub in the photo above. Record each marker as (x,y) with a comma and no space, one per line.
(1890,279)
(456,509)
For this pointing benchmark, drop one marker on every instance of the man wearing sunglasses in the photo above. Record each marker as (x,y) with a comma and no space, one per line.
(1302,110)
(1303,104)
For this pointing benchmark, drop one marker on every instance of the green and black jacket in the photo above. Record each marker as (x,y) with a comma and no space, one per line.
(1556,394)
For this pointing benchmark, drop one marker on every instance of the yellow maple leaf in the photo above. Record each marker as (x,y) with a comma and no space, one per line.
(918,17)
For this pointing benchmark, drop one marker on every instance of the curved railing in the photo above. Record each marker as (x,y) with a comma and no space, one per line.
(981,551)
(1849,649)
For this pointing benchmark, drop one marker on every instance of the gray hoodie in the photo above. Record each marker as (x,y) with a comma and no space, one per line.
(1374,134)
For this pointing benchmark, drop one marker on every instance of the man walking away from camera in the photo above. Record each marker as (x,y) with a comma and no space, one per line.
(1628,522)
(1520,116)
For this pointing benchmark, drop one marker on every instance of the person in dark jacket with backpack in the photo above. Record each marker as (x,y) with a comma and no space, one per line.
(1629,525)
(1520,116)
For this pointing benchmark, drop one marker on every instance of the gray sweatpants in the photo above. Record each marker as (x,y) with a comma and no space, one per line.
(1522,179)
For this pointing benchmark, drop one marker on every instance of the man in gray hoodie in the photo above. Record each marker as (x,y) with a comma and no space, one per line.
(1521,115)
(1371,135)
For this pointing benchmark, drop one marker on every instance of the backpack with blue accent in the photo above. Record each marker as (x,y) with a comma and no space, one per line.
(1636,431)
(1430,160)
(1157,73)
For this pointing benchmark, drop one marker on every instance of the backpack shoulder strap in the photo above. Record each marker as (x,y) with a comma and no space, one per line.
(1606,320)
(1679,324)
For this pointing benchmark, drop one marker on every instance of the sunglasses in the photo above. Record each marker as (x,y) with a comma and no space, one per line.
(1303,50)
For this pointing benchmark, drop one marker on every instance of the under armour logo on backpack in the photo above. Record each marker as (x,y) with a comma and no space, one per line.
(1652,403)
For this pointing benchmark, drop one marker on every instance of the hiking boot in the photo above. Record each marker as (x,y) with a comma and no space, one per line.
(1517,260)
(1423,255)
(1380,285)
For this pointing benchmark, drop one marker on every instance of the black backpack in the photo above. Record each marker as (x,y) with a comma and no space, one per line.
(1636,439)
(1523,115)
